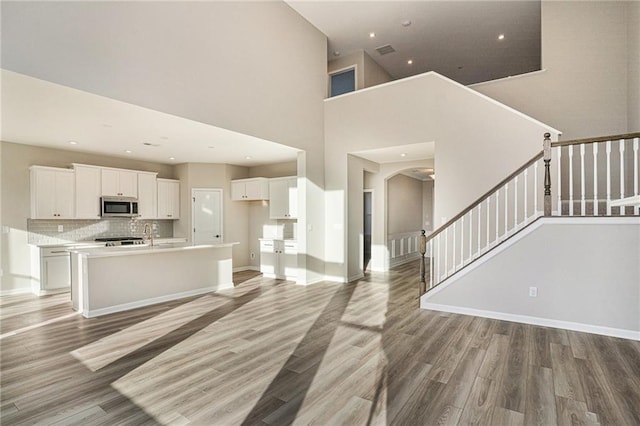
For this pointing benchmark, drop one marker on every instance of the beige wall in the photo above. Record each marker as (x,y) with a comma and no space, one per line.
(374,74)
(16,159)
(355,59)
(633,55)
(584,88)
(193,71)
(235,214)
(404,204)
(368,72)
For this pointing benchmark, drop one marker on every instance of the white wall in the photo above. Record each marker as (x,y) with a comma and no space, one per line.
(427,205)
(584,89)
(374,74)
(586,272)
(633,74)
(469,131)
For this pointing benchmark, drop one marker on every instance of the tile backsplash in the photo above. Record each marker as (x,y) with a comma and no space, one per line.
(46,231)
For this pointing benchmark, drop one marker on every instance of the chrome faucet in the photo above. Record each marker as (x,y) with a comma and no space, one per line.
(148,233)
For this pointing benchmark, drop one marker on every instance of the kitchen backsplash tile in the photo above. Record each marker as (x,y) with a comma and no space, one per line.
(46,231)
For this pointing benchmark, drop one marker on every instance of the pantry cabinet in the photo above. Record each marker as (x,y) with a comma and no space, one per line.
(250,189)
(52,193)
(168,199)
(119,183)
(283,198)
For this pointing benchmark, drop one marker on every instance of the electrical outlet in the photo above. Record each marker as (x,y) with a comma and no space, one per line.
(253,255)
(533,291)
(60,228)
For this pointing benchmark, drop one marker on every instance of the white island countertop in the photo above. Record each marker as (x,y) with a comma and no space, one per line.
(143,249)
(113,279)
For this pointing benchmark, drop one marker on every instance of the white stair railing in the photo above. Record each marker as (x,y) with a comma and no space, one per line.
(525,195)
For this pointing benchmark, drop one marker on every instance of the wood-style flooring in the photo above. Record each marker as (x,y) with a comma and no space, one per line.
(271,352)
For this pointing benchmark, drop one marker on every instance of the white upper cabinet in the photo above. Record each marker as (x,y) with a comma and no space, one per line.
(52,193)
(119,183)
(147,196)
(250,189)
(168,199)
(88,190)
(283,198)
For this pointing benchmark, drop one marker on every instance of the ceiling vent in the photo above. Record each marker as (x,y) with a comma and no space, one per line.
(386,49)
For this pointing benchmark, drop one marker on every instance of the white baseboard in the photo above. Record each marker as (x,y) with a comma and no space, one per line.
(246,268)
(404,259)
(15,292)
(355,277)
(153,301)
(545,322)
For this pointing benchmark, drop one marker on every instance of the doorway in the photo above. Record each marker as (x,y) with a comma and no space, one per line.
(367,221)
(207,216)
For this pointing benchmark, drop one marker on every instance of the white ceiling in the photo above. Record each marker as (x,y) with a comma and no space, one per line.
(458,39)
(404,153)
(37,112)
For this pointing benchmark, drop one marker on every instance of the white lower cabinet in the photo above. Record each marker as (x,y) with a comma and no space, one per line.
(55,269)
(279,258)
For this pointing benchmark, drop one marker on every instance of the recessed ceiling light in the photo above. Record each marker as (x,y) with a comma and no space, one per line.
(501,37)
(248,157)
(336,53)
(164,137)
(403,154)
(172,158)
(107,125)
(73,143)
(406,23)
(128,151)
(372,35)
(410,62)
(211,147)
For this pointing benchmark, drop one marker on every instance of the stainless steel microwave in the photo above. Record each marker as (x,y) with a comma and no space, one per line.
(118,207)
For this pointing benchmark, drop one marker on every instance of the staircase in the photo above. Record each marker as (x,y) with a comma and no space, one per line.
(595,177)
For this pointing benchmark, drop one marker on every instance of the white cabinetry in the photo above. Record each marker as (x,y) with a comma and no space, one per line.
(147,196)
(279,258)
(168,199)
(52,193)
(55,269)
(119,183)
(283,198)
(250,189)
(88,190)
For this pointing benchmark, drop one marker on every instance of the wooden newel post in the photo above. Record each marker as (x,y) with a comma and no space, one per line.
(546,155)
(423,250)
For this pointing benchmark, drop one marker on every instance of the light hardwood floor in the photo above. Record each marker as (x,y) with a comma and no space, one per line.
(271,352)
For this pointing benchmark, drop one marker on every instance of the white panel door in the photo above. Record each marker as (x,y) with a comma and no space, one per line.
(207,216)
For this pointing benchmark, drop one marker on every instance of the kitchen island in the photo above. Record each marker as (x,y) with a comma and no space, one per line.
(113,279)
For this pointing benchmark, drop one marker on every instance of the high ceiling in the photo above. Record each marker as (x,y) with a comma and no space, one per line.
(38,112)
(458,39)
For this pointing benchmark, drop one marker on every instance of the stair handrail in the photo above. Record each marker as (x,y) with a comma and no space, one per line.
(458,251)
(519,170)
